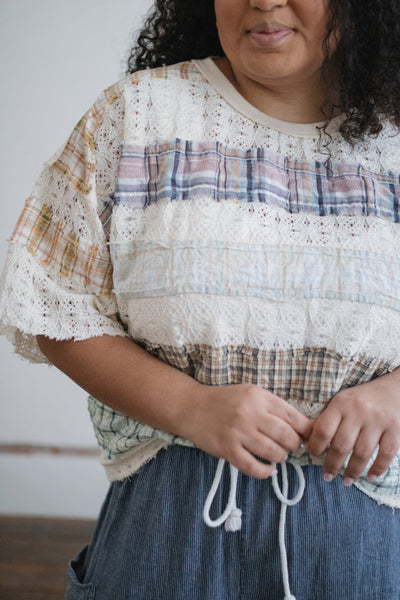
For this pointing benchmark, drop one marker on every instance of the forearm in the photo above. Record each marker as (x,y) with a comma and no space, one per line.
(236,422)
(125,377)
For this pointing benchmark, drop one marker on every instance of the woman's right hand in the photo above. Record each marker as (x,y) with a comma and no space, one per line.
(241,422)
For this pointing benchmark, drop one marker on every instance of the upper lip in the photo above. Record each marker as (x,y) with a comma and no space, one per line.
(269,28)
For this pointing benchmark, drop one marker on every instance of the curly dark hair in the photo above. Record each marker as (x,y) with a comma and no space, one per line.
(368,53)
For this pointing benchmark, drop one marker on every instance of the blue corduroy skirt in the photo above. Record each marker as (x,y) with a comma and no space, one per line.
(151,542)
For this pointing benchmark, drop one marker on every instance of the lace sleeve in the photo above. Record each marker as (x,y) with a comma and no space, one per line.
(57,280)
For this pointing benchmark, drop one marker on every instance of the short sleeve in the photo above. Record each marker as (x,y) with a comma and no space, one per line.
(57,280)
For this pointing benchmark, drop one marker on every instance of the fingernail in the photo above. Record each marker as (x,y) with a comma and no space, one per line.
(274,472)
(301,449)
(348,481)
(328,477)
(313,457)
(372,478)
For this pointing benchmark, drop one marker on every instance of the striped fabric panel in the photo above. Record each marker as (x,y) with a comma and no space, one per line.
(308,376)
(182,169)
(83,267)
(277,273)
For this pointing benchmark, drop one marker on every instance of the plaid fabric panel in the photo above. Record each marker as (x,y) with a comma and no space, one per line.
(148,269)
(77,161)
(311,376)
(81,266)
(71,175)
(184,70)
(182,169)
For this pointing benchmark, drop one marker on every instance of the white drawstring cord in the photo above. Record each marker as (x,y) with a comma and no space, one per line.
(285,502)
(232,515)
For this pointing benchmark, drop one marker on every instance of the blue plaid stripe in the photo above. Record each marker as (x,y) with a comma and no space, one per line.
(181,169)
(276,273)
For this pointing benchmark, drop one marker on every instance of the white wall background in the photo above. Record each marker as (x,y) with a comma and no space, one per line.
(56,59)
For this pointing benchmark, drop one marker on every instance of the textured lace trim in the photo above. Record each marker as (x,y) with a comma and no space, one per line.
(229,221)
(32,304)
(129,462)
(349,328)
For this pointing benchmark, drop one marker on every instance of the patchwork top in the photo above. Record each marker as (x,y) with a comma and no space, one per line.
(230,245)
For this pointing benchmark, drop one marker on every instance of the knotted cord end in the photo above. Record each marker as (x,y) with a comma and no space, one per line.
(290,597)
(234,520)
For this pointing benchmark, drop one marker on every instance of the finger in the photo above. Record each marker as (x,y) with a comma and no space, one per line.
(248,464)
(280,432)
(342,444)
(363,450)
(299,422)
(324,430)
(388,447)
(266,448)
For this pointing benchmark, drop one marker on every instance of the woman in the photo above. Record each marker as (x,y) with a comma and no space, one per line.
(212,257)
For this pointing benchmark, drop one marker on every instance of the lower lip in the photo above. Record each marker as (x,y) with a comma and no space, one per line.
(270,40)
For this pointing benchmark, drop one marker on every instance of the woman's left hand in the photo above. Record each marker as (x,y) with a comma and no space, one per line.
(356,420)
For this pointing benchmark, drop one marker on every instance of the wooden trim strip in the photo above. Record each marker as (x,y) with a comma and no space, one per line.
(30,449)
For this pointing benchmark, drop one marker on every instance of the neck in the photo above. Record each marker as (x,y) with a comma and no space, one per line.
(300,101)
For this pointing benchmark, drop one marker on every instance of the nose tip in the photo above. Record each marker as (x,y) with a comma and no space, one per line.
(267,5)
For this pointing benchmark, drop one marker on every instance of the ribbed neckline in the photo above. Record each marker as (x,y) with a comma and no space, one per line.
(227,90)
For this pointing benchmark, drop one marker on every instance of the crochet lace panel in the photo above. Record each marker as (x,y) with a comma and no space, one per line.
(348,328)
(175,107)
(32,304)
(252,223)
